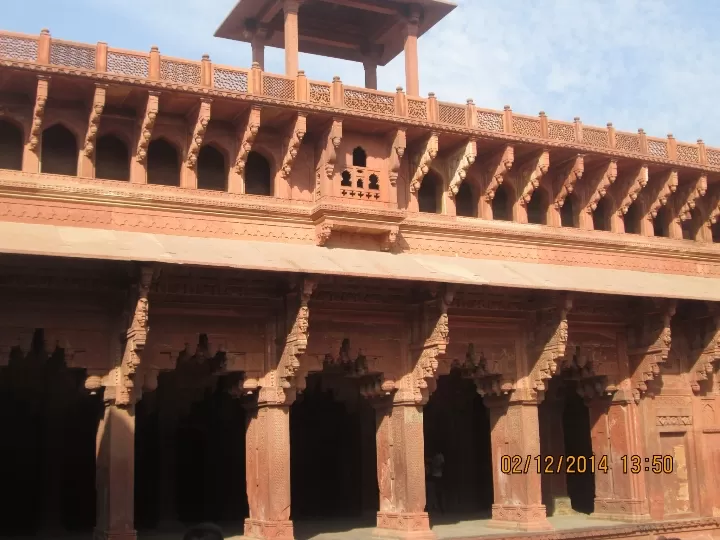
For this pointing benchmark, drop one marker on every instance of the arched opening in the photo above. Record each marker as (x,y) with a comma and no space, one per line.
(537,207)
(47,450)
(660,223)
(689,227)
(601,215)
(465,201)
(212,171)
(346,179)
(258,179)
(458,454)
(567,212)
(59,153)
(632,219)
(112,158)
(163,163)
(429,193)
(11,146)
(359,157)
(502,204)
(373,182)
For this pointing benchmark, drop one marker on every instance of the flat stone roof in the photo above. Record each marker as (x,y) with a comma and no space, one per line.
(345,29)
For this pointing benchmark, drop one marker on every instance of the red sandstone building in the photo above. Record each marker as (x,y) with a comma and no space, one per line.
(228,294)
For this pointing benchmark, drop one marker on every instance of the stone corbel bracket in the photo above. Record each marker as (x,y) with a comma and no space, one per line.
(705,348)
(491,368)
(649,343)
(293,140)
(496,170)
(666,185)
(528,176)
(94,121)
(568,175)
(422,160)
(146,126)
(248,128)
(628,187)
(38,113)
(686,201)
(594,373)
(459,163)
(202,119)
(387,232)
(328,148)
(398,144)
(597,185)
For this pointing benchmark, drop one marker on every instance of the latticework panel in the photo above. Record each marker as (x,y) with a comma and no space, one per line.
(490,121)
(452,114)
(596,137)
(320,93)
(529,127)
(278,88)
(713,157)
(417,109)
(686,152)
(229,79)
(128,64)
(72,55)
(17,48)
(180,72)
(561,132)
(658,148)
(369,101)
(627,142)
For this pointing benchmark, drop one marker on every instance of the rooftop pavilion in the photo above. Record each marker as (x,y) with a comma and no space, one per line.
(369,31)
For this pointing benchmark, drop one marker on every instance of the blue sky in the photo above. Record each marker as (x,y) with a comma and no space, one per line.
(648,64)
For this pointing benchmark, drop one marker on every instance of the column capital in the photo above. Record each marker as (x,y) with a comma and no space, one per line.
(291,6)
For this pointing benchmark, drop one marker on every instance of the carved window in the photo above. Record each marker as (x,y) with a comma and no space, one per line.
(567,212)
(359,157)
(163,163)
(346,179)
(660,223)
(212,169)
(600,216)
(632,219)
(537,207)
(429,194)
(59,153)
(11,146)
(502,204)
(465,201)
(374,182)
(360,183)
(112,158)
(258,179)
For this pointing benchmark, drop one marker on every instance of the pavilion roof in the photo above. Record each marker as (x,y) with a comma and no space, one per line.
(345,29)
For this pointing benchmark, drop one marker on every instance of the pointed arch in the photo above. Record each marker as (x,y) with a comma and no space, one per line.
(429,193)
(359,157)
(258,175)
(502,203)
(11,145)
(537,208)
(163,163)
(112,158)
(212,169)
(465,201)
(59,154)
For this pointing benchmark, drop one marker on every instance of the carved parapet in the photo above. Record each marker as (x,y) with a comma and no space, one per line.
(293,140)
(146,126)
(94,121)
(422,160)
(459,163)
(496,169)
(398,144)
(248,129)
(649,343)
(202,120)
(568,175)
(38,113)
(595,185)
(626,188)
(528,176)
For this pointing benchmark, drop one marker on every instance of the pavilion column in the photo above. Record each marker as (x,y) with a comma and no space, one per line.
(258,48)
(552,443)
(370,74)
(401,471)
(617,431)
(412,77)
(515,431)
(292,39)
(267,460)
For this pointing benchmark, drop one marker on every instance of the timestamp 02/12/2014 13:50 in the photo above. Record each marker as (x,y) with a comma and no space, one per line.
(630,464)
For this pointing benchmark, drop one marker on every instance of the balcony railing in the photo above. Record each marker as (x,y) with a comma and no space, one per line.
(44,50)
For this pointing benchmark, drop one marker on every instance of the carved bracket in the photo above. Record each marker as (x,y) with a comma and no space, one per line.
(594,367)
(38,113)
(146,126)
(459,163)
(248,129)
(422,160)
(595,187)
(666,185)
(492,368)
(330,143)
(527,177)
(685,201)
(201,123)
(94,121)
(498,166)
(293,140)
(568,175)
(386,231)
(629,187)
(397,151)
(704,341)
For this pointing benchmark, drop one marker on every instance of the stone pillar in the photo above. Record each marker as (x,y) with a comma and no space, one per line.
(370,74)
(552,443)
(115,479)
(292,39)
(412,77)
(401,471)
(267,459)
(258,49)
(616,432)
(515,432)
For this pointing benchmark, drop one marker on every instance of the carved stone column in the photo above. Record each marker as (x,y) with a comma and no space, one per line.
(515,431)
(292,43)
(412,77)
(552,443)
(370,74)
